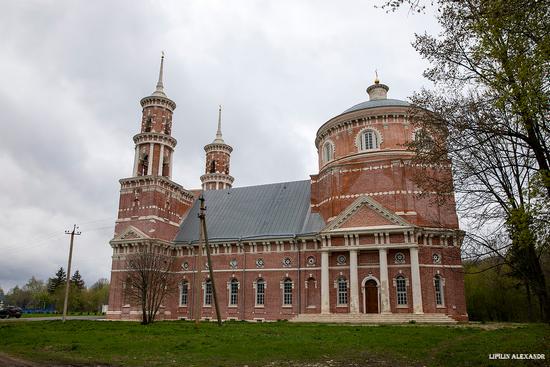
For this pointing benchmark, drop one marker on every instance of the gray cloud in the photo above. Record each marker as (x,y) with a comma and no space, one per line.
(73,73)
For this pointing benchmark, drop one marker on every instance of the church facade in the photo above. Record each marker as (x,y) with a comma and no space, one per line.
(355,242)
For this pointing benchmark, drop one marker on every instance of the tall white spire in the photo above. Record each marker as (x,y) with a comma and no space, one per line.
(219,138)
(159,91)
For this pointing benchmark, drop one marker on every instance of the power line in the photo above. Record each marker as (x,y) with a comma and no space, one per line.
(18,248)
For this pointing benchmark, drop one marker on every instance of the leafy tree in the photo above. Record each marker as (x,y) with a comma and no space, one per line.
(493,295)
(19,297)
(77,280)
(488,115)
(98,295)
(38,293)
(57,281)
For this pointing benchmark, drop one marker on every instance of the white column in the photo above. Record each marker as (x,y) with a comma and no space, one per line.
(136,161)
(384,284)
(171,152)
(354,282)
(161,160)
(325,296)
(150,166)
(416,285)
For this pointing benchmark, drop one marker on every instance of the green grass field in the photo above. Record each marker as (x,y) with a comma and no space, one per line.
(178,343)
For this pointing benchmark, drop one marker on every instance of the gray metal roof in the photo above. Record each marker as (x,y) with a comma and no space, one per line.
(377,103)
(274,210)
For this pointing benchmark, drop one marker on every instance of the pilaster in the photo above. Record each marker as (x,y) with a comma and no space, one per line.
(354,282)
(416,285)
(384,283)
(325,290)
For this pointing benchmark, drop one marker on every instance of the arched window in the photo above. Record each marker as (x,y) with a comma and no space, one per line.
(184,293)
(233,292)
(328,150)
(342,291)
(287,292)
(438,285)
(166,166)
(369,140)
(208,293)
(144,165)
(148,125)
(213,167)
(422,140)
(401,287)
(260,292)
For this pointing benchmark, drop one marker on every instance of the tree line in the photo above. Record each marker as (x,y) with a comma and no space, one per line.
(48,296)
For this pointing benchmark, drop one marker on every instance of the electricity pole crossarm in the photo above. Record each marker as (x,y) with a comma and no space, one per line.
(74,232)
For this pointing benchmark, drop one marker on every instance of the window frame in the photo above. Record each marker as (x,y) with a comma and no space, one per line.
(208,293)
(341,292)
(184,285)
(401,290)
(259,295)
(376,140)
(288,286)
(423,139)
(328,151)
(233,293)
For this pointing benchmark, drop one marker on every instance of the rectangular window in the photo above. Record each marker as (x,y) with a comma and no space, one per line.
(287,293)
(438,293)
(342,292)
(208,293)
(184,294)
(234,293)
(260,293)
(401,291)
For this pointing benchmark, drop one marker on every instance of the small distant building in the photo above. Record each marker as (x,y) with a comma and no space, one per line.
(355,240)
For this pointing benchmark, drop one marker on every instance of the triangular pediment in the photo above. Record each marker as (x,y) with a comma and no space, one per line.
(366,212)
(130,233)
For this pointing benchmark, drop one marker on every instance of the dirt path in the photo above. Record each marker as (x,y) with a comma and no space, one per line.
(7,361)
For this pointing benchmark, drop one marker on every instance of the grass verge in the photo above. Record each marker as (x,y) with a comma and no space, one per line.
(178,343)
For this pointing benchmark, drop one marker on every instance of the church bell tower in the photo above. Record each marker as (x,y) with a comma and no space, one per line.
(218,155)
(149,200)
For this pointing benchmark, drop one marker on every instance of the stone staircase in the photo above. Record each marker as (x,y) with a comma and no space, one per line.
(376,318)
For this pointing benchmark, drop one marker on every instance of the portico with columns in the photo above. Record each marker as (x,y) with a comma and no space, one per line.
(360,274)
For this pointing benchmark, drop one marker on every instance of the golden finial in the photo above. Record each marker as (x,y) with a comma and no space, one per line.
(376,80)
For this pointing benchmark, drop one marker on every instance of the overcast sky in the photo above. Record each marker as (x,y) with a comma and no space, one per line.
(72,74)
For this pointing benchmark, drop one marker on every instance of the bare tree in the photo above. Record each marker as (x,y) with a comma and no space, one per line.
(494,176)
(150,279)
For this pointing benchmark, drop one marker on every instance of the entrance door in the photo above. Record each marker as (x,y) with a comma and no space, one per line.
(311,293)
(371,296)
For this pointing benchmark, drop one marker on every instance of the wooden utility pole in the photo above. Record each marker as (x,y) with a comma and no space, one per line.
(204,235)
(73,233)
(198,280)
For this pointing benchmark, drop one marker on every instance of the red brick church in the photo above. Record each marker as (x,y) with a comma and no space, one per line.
(355,242)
